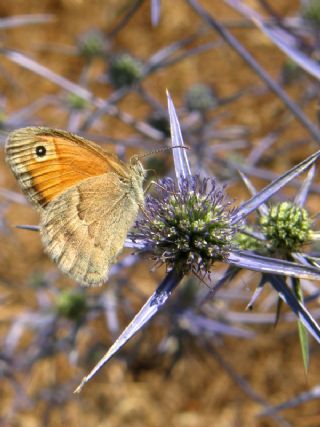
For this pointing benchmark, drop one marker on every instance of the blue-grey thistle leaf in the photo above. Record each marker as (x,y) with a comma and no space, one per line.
(180,158)
(188,226)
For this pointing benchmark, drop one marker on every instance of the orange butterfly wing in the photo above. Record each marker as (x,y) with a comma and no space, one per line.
(47,162)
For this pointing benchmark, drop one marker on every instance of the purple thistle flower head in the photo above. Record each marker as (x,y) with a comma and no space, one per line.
(188,226)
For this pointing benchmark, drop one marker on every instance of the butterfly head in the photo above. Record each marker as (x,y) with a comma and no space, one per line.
(136,167)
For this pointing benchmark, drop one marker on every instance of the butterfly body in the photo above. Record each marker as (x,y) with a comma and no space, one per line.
(87,198)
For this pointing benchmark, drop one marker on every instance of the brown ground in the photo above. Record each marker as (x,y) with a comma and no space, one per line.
(198,391)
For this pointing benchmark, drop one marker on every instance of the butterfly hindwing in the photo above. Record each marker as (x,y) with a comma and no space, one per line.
(85,227)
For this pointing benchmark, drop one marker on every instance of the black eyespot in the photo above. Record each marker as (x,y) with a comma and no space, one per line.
(41,151)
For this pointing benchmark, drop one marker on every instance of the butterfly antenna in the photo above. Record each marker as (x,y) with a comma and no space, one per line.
(160,150)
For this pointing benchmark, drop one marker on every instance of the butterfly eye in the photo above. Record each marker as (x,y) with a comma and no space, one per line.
(41,151)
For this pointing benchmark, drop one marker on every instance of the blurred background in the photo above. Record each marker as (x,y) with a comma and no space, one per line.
(101,69)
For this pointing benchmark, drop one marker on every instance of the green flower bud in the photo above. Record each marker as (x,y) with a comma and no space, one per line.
(290,72)
(92,44)
(311,12)
(249,243)
(160,122)
(71,304)
(75,102)
(124,70)
(287,227)
(200,97)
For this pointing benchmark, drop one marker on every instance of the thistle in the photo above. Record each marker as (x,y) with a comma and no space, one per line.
(190,226)
(187,226)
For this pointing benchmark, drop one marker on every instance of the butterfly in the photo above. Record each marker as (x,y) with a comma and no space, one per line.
(87,197)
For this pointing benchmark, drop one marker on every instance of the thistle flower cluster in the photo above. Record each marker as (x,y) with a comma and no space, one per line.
(189,226)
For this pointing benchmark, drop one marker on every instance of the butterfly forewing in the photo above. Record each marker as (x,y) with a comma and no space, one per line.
(46,162)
